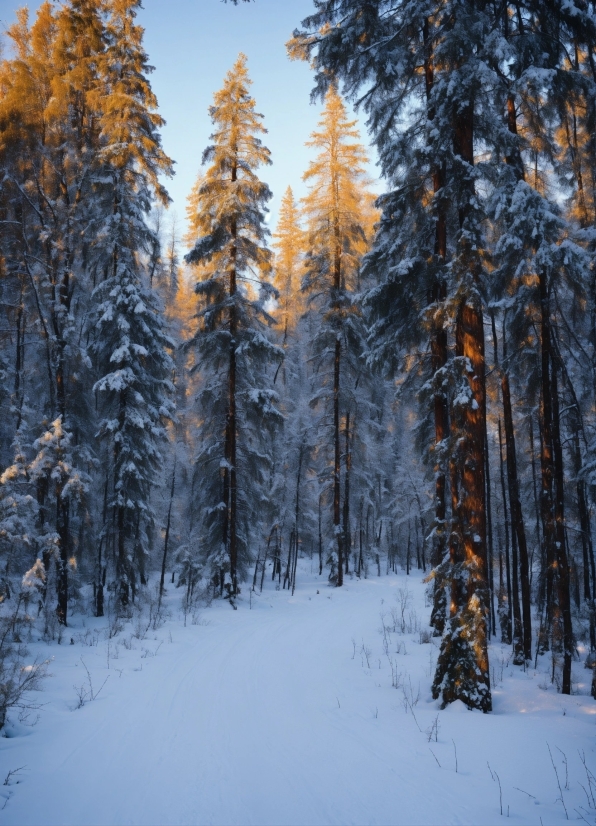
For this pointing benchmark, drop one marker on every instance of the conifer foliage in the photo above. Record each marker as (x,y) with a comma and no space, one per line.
(129,344)
(289,249)
(236,398)
(80,156)
(451,91)
(335,215)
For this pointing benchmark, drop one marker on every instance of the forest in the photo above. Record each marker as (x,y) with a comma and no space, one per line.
(386,383)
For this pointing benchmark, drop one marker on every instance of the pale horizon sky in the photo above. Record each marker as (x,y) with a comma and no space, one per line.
(192,44)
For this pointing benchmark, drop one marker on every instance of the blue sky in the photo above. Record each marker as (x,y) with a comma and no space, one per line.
(192,44)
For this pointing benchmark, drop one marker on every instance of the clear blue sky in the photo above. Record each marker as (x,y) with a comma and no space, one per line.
(192,44)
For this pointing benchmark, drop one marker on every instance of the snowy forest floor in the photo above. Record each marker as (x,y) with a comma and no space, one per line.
(311,709)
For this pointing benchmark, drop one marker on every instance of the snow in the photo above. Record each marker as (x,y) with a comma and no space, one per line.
(283,712)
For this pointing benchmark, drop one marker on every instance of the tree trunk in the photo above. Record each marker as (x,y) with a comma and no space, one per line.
(164,558)
(346,508)
(439,357)
(522,640)
(297,515)
(547,463)
(230,475)
(63,529)
(337,466)
(462,668)
(489,532)
(99,583)
(563,586)
(320,540)
(506,617)
(535,493)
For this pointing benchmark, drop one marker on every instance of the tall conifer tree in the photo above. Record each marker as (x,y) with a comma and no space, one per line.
(288,244)
(428,158)
(335,214)
(236,399)
(49,99)
(129,344)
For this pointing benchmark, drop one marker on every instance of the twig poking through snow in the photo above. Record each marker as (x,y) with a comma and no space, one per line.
(11,773)
(522,791)
(558,782)
(583,818)
(591,780)
(566,768)
(498,780)
(84,694)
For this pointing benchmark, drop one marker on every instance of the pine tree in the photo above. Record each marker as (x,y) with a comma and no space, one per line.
(479,77)
(130,346)
(335,214)
(288,244)
(543,269)
(428,158)
(236,399)
(49,88)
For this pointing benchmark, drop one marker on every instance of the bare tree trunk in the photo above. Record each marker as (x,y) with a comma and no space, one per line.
(320,540)
(265,559)
(297,513)
(230,528)
(563,589)
(547,463)
(536,499)
(462,666)
(522,635)
(506,618)
(346,508)
(360,540)
(337,466)
(99,584)
(492,625)
(289,561)
(167,536)
(439,357)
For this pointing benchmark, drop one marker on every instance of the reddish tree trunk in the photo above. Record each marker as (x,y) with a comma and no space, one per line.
(522,639)
(563,589)
(439,356)
(336,414)
(230,475)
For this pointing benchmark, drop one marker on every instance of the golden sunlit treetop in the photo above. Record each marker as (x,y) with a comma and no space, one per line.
(289,246)
(338,208)
(227,203)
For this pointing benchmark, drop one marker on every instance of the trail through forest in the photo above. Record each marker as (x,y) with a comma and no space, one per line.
(285,713)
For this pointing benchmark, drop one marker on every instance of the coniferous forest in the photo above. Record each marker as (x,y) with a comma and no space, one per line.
(380,385)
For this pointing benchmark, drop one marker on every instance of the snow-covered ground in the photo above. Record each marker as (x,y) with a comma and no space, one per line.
(295,710)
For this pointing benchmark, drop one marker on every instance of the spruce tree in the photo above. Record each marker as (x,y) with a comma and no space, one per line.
(428,160)
(237,403)
(49,119)
(335,212)
(288,245)
(129,342)
(465,73)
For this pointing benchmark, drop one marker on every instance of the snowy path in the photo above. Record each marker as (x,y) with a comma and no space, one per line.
(263,716)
